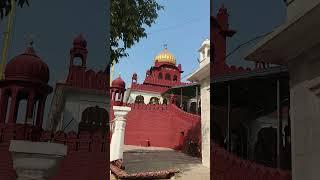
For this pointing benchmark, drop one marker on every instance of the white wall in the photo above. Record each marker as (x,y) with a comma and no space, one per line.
(305,117)
(147,96)
(299,7)
(205,120)
(76,103)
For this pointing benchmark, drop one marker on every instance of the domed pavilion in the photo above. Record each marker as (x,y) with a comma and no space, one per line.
(26,77)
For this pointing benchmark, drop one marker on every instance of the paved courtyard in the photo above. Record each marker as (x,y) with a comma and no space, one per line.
(138,159)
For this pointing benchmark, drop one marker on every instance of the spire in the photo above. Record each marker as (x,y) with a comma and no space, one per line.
(30,40)
(30,45)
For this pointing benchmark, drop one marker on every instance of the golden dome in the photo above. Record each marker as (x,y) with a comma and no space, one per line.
(165,57)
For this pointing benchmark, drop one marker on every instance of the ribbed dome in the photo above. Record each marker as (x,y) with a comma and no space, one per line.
(118,83)
(28,67)
(165,57)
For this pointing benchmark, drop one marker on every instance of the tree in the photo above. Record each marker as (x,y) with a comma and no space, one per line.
(6,5)
(128,21)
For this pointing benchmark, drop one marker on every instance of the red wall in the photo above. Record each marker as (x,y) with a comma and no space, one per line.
(223,163)
(160,124)
(87,157)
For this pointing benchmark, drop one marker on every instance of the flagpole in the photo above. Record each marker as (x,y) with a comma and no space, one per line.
(6,39)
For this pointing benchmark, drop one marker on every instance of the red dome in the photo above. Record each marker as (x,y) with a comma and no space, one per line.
(118,83)
(80,41)
(28,67)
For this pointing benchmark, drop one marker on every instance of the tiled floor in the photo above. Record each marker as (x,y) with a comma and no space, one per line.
(140,159)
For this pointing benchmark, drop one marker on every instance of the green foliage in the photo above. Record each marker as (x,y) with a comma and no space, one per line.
(128,21)
(6,6)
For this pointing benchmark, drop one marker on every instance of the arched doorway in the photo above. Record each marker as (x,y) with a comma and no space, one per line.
(139,99)
(165,102)
(193,107)
(265,150)
(154,100)
(94,119)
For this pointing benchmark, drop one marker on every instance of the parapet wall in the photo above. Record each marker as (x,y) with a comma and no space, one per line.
(87,156)
(149,87)
(224,162)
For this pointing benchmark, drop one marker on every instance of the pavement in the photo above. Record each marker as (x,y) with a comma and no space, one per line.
(144,159)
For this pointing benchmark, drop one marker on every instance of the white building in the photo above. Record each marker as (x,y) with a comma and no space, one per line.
(297,44)
(202,76)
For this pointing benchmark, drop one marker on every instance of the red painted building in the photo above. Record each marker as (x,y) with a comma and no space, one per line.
(155,119)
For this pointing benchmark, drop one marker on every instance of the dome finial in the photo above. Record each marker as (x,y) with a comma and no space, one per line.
(30,44)
(119,74)
(30,40)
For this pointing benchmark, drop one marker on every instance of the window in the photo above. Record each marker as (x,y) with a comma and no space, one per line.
(165,101)
(154,100)
(168,77)
(139,99)
(160,76)
(94,119)
(175,78)
(208,53)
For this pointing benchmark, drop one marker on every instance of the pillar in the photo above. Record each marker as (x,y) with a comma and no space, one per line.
(36,160)
(117,141)
(13,106)
(205,121)
(30,107)
(40,112)
(3,105)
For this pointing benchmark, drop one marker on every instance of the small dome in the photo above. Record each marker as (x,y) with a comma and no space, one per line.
(80,41)
(165,57)
(118,83)
(28,67)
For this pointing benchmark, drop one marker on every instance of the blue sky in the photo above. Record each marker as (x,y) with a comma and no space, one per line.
(250,18)
(182,25)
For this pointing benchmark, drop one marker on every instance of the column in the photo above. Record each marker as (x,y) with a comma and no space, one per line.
(117,141)
(197,101)
(30,107)
(40,112)
(228,120)
(205,121)
(3,105)
(13,106)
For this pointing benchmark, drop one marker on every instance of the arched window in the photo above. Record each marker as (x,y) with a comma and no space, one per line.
(160,76)
(94,119)
(175,78)
(208,53)
(168,77)
(139,99)
(77,60)
(165,101)
(154,100)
